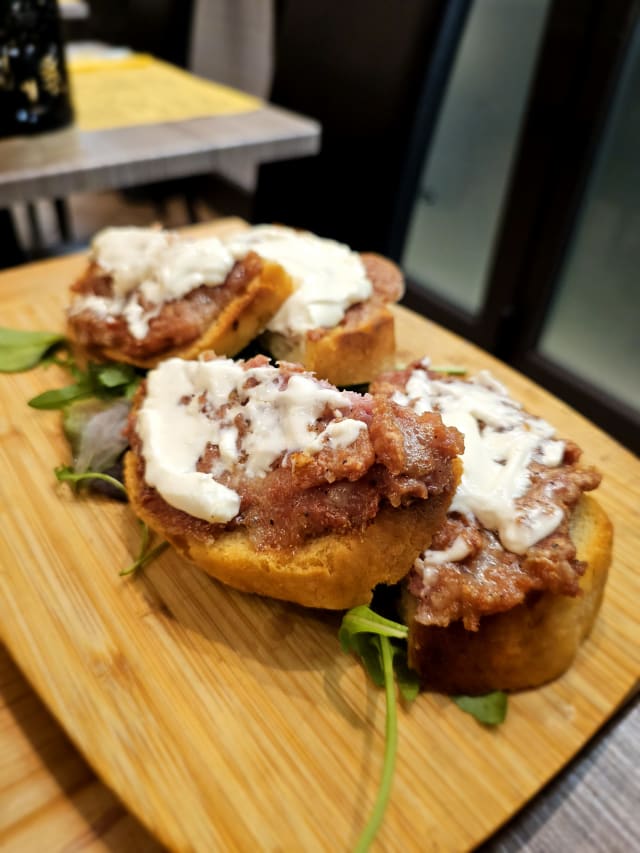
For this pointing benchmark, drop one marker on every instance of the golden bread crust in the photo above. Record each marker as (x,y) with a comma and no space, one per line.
(237,325)
(364,345)
(352,355)
(334,571)
(345,355)
(528,645)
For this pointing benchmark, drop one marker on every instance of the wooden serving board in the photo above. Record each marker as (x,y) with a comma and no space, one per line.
(230,722)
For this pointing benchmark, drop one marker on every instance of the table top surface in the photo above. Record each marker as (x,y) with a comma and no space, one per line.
(47,789)
(53,165)
(591,806)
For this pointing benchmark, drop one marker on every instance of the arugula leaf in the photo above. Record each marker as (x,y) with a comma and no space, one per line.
(381,645)
(360,633)
(144,558)
(367,648)
(57,398)
(406,678)
(131,388)
(490,709)
(23,350)
(95,430)
(112,375)
(66,360)
(390,746)
(66,474)
(361,620)
(104,381)
(451,369)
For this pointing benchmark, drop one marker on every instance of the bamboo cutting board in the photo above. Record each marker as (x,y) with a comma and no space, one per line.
(228,722)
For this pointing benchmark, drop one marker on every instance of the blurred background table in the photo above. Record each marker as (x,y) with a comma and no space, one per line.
(140,121)
(58,163)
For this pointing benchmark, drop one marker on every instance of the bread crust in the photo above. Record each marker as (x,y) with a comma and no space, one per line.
(527,646)
(345,355)
(333,571)
(355,351)
(234,328)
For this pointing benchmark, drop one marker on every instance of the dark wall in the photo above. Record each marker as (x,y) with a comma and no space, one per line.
(160,27)
(358,67)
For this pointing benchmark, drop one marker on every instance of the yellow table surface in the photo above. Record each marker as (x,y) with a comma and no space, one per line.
(139,89)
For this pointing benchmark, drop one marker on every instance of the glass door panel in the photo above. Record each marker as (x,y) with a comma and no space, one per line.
(458,204)
(593,327)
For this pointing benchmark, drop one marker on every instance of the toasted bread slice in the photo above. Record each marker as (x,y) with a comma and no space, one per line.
(284,486)
(532,643)
(349,354)
(334,572)
(362,345)
(236,325)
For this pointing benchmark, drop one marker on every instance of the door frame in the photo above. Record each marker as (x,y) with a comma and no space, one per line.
(581,55)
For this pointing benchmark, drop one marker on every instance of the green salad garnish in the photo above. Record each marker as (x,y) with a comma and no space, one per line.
(381,645)
(24,350)
(95,430)
(146,553)
(66,474)
(103,381)
(451,369)
(490,709)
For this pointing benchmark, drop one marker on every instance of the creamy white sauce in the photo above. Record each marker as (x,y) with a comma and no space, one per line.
(127,254)
(157,266)
(328,276)
(501,441)
(175,434)
(455,552)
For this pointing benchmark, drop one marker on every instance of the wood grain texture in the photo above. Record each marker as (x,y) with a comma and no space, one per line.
(47,791)
(592,806)
(225,721)
(54,165)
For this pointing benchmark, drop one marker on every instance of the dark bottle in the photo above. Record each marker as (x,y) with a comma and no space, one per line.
(34,88)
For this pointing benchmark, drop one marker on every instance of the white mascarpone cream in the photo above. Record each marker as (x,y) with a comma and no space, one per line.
(154,264)
(328,276)
(160,266)
(501,441)
(175,433)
